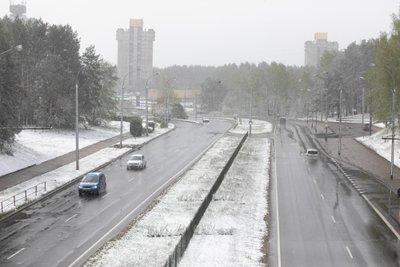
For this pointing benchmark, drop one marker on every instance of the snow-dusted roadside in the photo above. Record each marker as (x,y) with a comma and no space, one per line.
(381,146)
(232,231)
(151,240)
(36,146)
(67,173)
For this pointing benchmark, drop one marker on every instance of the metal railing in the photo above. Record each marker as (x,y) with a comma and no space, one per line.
(187,235)
(22,197)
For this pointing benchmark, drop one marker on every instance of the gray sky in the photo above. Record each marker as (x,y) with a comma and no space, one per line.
(218,32)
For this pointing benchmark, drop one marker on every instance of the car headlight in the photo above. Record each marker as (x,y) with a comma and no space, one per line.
(95,186)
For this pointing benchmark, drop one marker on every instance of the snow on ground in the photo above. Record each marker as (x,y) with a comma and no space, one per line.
(67,173)
(232,231)
(381,146)
(151,240)
(258,127)
(36,146)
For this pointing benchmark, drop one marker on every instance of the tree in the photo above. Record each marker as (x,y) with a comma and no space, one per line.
(11,94)
(136,127)
(177,111)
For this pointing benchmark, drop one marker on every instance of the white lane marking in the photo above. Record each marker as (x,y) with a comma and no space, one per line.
(322,196)
(382,217)
(106,195)
(348,251)
(70,218)
(130,180)
(333,219)
(277,208)
(141,204)
(13,255)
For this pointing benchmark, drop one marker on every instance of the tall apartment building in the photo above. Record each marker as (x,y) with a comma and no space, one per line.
(135,56)
(314,50)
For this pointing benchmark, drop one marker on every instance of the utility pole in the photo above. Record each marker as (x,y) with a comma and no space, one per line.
(393,133)
(340,123)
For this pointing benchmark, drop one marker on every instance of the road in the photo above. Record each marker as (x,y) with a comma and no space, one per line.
(322,220)
(66,229)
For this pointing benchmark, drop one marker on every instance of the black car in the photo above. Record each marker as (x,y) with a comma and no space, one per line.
(93,183)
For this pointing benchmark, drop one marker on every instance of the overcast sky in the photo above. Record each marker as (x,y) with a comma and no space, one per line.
(218,32)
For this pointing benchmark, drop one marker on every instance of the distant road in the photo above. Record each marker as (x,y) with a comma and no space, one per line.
(323,221)
(66,229)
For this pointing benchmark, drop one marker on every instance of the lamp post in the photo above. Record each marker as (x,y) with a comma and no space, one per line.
(167,100)
(122,108)
(17,48)
(362,103)
(77,119)
(340,123)
(147,106)
(393,133)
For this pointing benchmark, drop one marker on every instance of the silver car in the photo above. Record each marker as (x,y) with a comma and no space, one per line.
(136,161)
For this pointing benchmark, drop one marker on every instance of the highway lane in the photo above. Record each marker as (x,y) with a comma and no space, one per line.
(66,229)
(323,221)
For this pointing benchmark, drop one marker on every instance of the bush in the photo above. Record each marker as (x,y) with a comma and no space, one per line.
(178,111)
(136,128)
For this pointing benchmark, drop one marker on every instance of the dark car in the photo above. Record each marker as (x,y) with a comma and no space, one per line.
(93,183)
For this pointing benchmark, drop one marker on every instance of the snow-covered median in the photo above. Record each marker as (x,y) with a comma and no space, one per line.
(232,231)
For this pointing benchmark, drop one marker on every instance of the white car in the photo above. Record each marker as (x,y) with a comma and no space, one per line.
(312,153)
(136,161)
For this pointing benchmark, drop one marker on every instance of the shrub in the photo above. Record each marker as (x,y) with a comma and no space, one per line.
(136,127)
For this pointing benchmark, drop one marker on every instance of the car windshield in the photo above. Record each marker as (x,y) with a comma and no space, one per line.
(90,178)
(136,157)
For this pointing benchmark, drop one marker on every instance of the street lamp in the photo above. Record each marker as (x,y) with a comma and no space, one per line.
(77,120)
(167,100)
(147,107)
(340,123)
(122,108)
(362,103)
(17,48)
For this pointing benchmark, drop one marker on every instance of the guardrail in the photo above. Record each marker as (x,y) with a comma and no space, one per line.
(22,197)
(180,248)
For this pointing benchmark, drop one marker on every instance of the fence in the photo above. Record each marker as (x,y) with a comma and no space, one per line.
(22,197)
(180,248)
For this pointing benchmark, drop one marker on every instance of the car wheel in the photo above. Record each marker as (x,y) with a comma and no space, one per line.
(80,193)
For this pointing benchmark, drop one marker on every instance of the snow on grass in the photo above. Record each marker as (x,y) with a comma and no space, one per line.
(36,146)
(258,127)
(151,240)
(232,231)
(381,146)
(67,173)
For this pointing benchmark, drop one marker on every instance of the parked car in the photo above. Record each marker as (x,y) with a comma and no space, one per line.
(312,153)
(136,161)
(206,120)
(93,183)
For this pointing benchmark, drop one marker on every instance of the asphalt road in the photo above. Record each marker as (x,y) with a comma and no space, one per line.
(66,229)
(323,221)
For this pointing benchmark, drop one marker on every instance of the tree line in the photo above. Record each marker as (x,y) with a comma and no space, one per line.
(37,84)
